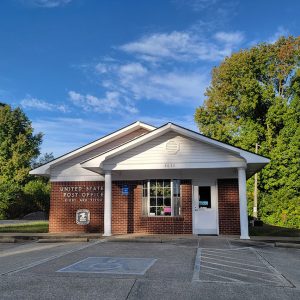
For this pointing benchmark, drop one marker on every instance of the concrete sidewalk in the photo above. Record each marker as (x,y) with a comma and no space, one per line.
(145,238)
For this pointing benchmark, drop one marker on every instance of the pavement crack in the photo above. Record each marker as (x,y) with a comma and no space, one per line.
(131,289)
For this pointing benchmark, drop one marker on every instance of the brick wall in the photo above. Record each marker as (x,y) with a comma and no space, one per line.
(65,202)
(229,210)
(124,206)
(127,211)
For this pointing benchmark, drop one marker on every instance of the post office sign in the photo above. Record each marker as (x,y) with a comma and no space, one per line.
(82,216)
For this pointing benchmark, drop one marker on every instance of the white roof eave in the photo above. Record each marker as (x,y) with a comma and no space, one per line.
(247,156)
(45,169)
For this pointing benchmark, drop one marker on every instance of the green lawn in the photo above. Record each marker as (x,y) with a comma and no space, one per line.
(32,227)
(270,230)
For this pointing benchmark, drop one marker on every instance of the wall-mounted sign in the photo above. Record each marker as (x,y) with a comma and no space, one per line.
(82,193)
(82,216)
(125,190)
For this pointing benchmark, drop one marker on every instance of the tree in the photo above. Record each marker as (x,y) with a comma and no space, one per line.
(18,147)
(254,98)
(37,195)
(41,160)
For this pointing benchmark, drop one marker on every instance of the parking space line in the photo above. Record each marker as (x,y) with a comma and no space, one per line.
(223,277)
(233,262)
(39,262)
(240,258)
(26,248)
(244,269)
(271,268)
(196,274)
(250,267)
(226,257)
(242,275)
(218,250)
(229,244)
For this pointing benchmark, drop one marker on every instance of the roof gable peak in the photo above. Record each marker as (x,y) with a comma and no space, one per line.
(44,169)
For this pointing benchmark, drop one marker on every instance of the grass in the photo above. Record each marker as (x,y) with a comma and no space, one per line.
(32,227)
(271,230)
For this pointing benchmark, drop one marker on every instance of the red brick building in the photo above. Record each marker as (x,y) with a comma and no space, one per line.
(142,179)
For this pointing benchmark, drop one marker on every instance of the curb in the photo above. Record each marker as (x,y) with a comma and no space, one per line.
(136,240)
(8,240)
(287,245)
(63,240)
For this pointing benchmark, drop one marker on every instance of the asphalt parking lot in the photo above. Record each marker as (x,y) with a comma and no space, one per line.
(199,268)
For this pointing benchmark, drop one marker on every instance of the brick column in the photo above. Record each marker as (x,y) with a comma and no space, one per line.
(228,206)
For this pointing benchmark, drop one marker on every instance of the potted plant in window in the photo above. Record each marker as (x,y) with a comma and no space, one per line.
(160,211)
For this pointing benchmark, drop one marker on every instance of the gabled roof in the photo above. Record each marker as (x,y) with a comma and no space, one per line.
(254,161)
(44,169)
(249,157)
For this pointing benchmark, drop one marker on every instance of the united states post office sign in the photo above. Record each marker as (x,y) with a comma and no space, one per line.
(83,216)
(73,194)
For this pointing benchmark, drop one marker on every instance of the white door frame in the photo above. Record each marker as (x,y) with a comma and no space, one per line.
(214,194)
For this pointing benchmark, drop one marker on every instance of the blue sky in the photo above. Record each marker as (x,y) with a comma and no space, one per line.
(83,68)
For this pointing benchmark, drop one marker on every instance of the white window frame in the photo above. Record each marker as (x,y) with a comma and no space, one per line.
(172,198)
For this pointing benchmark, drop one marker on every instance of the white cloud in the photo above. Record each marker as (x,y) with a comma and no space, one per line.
(134,69)
(165,66)
(196,5)
(183,46)
(161,67)
(38,104)
(47,3)
(232,38)
(281,31)
(137,82)
(169,87)
(108,104)
(101,68)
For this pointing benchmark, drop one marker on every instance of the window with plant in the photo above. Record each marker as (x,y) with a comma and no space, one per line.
(161,197)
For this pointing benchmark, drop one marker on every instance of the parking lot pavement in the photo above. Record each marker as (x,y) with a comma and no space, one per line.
(129,270)
(240,265)
(285,260)
(24,255)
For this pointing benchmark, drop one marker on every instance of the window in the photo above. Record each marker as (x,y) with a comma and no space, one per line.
(161,197)
(204,197)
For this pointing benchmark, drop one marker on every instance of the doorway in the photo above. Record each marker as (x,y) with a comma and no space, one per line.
(205,209)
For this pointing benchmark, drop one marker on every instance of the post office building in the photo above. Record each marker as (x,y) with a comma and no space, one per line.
(143,179)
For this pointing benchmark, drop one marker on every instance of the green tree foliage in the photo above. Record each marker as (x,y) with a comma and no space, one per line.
(18,147)
(254,97)
(37,195)
(41,160)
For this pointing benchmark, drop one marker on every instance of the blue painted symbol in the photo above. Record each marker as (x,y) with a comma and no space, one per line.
(125,190)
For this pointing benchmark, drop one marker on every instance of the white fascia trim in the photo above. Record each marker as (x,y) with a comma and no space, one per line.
(77,178)
(146,126)
(247,156)
(180,166)
(97,160)
(45,169)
